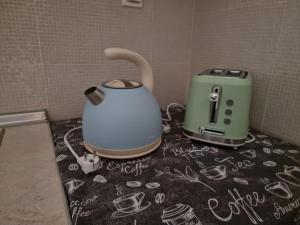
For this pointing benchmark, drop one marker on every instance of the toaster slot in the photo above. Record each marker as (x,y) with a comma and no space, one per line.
(216,71)
(211,131)
(234,73)
(214,104)
(237,73)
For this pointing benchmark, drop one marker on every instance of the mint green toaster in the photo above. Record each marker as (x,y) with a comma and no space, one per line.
(218,107)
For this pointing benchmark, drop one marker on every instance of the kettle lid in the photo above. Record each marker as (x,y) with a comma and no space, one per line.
(122,84)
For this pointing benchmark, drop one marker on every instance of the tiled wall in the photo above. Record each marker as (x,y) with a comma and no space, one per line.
(263,37)
(51,51)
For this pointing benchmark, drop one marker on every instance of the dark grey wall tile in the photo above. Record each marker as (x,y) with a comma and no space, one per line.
(203,6)
(282,111)
(209,37)
(170,83)
(172,30)
(117,69)
(71,32)
(22,88)
(66,39)
(129,27)
(18,39)
(65,88)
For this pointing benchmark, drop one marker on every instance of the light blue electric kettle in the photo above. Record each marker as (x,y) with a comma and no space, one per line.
(121,118)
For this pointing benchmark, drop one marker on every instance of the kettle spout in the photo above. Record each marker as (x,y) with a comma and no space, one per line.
(94,95)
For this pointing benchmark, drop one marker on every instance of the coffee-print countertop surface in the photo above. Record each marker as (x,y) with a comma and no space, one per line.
(184,182)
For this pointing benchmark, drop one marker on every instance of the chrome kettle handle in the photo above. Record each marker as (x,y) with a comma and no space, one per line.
(137,59)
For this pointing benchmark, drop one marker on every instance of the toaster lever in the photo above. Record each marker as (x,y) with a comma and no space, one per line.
(214,98)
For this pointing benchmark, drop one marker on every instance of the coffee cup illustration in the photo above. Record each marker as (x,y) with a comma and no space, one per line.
(180,214)
(266,142)
(215,172)
(279,189)
(291,175)
(278,151)
(73,185)
(293,171)
(251,153)
(129,204)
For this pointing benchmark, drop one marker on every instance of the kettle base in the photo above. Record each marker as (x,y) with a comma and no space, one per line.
(124,153)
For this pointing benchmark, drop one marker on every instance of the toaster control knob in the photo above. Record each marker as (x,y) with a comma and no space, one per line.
(214,97)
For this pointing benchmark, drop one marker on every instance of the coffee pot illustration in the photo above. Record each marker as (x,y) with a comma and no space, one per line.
(180,214)
(129,204)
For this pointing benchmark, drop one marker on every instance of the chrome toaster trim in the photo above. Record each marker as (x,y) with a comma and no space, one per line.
(225,73)
(215,99)
(214,139)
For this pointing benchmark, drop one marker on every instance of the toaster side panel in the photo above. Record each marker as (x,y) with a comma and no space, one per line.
(197,105)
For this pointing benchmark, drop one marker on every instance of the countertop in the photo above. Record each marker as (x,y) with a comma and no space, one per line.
(183,182)
(30,189)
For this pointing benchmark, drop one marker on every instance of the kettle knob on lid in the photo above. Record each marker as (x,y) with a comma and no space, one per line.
(137,59)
